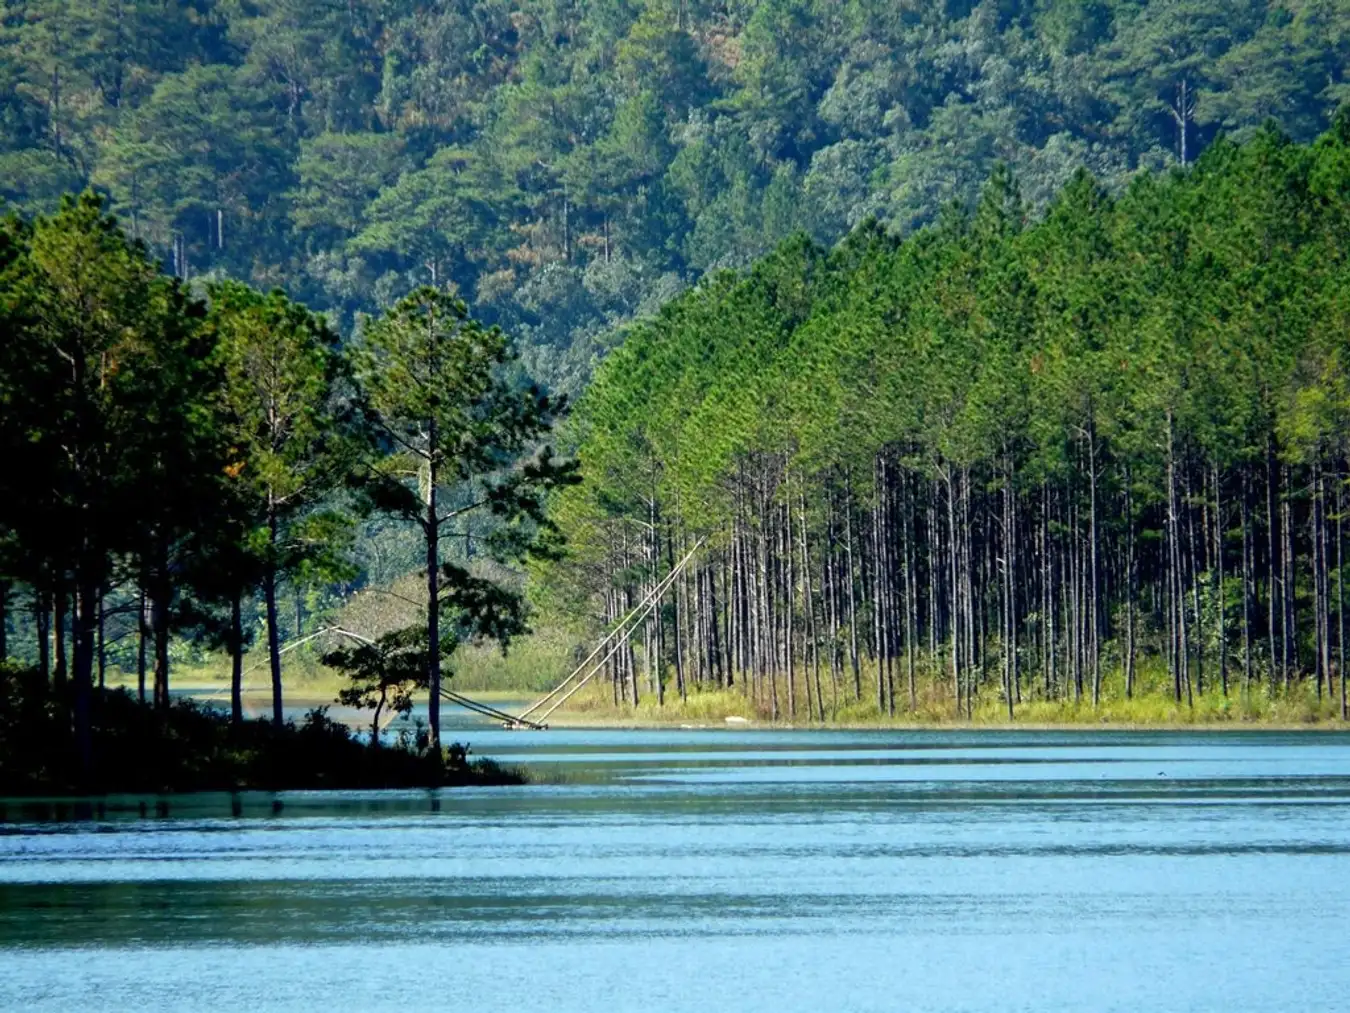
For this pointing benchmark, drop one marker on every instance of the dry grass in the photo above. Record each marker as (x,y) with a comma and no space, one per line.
(1152,706)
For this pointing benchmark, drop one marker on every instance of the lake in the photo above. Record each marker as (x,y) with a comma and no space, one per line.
(715,870)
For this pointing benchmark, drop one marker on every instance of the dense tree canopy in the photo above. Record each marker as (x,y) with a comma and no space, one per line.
(169,458)
(1008,457)
(567,166)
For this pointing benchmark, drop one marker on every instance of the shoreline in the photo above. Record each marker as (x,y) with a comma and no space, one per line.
(646,724)
(258,700)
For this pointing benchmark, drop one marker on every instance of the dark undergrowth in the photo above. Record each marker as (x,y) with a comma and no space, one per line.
(190,747)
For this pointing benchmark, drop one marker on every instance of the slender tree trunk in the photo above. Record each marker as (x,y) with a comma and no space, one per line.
(159,622)
(1051,644)
(907,528)
(1221,630)
(1095,604)
(1246,584)
(42,617)
(1340,590)
(852,600)
(273,618)
(1272,583)
(809,605)
(431,526)
(84,624)
(1322,575)
(955,588)
(1130,590)
(62,670)
(101,652)
(1290,622)
(1178,599)
(142,640)
(236,659)
(1193,574)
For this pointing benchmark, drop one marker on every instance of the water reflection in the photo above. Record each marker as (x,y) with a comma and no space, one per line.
(758,870)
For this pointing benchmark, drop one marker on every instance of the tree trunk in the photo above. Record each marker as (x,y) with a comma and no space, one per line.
(236,660)
(83,627)
(852,601)
(62,670)
(1221,630)
(101,653)
(1246,584)
(42,617)
(1272,583)
(1094,606)
(1130,589)
(273,619)
(1340,589)
(955,587)
(142,640)
(159,619)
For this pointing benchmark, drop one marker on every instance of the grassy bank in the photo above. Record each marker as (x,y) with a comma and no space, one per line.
(191,747)
(1153,705)
(533,665)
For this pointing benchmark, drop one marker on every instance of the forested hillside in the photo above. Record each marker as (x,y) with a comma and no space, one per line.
(1007,459)
(567,165)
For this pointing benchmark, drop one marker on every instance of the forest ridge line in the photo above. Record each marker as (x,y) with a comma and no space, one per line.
(567,167)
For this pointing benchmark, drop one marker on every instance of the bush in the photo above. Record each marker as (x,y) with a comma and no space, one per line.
(191,747)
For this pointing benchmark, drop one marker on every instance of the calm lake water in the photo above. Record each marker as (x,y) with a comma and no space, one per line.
(716,870)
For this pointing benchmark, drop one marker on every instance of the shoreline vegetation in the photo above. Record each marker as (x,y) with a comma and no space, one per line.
(1091,464)
(713,708)
(187,746)
(1151,707)
(277,453)
(1083,468)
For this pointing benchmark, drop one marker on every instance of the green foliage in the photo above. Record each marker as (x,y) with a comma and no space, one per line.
(457,429)
(1150,384)
(197,748)
(383,673)
(517,150)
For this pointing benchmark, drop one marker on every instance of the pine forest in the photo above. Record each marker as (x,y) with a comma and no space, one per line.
(1005,459)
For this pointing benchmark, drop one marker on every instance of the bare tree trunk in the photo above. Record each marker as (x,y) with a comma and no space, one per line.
(1130,589)
(159,623)
(142,638)
(100,648)
(273,617)
(61,672)
(809,604)
(1289,625)
(1272,583)
(431,528)
(42,618)
(1340,589)
(955,588)
(852,601)
(907,529)
(1221,631)
(84,624)
(236,659)
(1095,604)
(1246,584)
